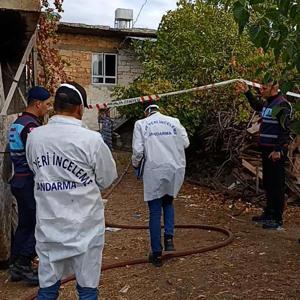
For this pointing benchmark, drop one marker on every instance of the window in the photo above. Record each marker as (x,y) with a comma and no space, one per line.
(104,68)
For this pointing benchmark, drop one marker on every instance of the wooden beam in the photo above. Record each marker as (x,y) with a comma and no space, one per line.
(18,75)
(254,128)
(22,96)
(19,89)
(2,95)
(255,170)
(35,65)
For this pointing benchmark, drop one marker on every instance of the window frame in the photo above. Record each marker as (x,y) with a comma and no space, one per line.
(103,69)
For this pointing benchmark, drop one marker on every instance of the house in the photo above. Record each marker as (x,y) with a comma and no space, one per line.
(100,57)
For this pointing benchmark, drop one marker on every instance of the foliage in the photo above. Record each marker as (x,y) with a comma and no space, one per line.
(275,24)
(51,62)
(197,44)
(272,24)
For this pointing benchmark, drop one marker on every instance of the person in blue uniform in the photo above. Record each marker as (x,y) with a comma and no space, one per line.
(22,185)
(274,138)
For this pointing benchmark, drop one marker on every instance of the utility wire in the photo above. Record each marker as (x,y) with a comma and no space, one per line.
(139,12)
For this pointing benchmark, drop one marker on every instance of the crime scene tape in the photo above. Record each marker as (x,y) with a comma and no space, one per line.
(129,101)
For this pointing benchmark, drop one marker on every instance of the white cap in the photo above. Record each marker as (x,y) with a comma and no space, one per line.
(151,106)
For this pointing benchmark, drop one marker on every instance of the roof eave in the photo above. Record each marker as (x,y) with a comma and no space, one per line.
(77,28)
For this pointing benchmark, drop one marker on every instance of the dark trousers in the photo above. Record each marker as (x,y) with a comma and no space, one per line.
(274,184)
(156,207)
(24,241)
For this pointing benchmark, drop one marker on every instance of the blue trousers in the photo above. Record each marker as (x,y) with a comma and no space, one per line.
(51,292)
(24,240)
(156,207)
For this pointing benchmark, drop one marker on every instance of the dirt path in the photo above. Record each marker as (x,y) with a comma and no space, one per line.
(259,264)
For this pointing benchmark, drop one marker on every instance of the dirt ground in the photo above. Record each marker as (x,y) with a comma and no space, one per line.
(259,264)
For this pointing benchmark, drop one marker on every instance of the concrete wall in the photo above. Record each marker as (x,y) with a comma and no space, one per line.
(78,50)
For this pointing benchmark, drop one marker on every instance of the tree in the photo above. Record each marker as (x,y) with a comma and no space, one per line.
(51,62)
(197,44)
(272,24)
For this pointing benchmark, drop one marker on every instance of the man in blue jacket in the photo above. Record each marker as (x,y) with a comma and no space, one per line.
(22,185)
(274,138)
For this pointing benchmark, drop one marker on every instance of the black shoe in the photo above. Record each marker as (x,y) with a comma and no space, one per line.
(26,273)
(275,225)
(155,259)
(169,245)
(263,218)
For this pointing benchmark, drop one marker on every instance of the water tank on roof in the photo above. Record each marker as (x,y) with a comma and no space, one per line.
(123,18)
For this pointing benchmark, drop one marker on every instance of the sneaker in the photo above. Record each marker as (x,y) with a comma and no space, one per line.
(25,273)
(155,259)
(169,245)
(272,224)
(263,218)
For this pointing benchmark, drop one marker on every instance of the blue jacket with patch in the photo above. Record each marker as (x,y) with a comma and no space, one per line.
(274,131)
(17,139)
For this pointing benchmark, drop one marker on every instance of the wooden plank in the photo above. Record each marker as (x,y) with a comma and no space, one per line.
(35,65)
(6,198)
(22,96)
(256,171)
(254,128)
(19,89)
(18,75)
(2,95)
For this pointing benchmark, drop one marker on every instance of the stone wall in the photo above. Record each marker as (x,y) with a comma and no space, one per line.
(27,5)
(78,50)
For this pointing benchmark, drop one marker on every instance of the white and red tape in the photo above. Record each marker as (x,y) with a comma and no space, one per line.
(129,101)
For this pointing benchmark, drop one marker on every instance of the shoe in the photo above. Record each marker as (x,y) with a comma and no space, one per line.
(26,273)
(169,245)
(273,224)
(263,218)
(155,259)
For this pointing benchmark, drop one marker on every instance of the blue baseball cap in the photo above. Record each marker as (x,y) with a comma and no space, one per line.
(38,93)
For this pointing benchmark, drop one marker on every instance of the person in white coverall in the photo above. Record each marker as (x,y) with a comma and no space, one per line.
(158,144)
(70,164)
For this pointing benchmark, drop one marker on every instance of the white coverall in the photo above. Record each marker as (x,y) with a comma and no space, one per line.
(70,164)
(161,140)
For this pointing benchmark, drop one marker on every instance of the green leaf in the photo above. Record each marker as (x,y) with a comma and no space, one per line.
(241,15)
(277,51)
(259,36)
(253,2)
(286,86)
(272,14)
(283,31)
(284,7)
(243,2)
(295,127)
(253,31)
(296,106)
(285,56)
(297,62)
(267,77)
(293,11)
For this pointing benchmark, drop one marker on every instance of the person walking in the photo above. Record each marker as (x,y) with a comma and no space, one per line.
(158,145)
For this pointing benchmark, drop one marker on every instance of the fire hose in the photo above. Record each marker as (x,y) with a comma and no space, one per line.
(229,238)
